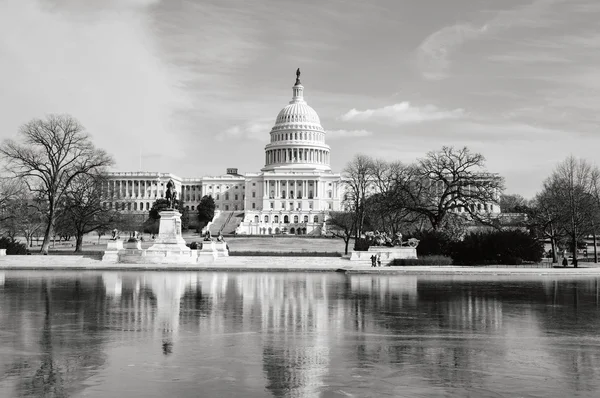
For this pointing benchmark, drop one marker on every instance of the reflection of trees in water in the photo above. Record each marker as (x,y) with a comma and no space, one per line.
(573,316)
(67,310)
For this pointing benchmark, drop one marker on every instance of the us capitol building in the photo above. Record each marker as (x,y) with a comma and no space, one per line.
(292,193)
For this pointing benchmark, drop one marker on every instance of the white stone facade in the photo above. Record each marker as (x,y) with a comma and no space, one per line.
(292,194)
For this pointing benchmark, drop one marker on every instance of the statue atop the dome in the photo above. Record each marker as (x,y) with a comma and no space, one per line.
(298,76)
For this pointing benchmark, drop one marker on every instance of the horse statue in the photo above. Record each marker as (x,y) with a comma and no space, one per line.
(171,194)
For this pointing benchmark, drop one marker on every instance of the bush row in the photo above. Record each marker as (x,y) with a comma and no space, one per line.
(424,260)
(12,246)
(506,247)
(255,253)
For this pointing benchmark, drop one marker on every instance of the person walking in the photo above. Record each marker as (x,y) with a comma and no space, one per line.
(565,262)
(373,260)
(379,260)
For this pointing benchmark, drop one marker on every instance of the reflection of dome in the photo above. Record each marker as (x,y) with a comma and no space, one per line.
(297,138)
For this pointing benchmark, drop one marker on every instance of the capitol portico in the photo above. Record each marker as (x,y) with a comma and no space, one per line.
(292,193)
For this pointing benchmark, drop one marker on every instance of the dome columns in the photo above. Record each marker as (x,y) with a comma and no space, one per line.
(297,155)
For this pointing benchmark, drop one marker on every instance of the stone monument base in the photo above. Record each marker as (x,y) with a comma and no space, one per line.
(387,254)
(111,254)
(169,247)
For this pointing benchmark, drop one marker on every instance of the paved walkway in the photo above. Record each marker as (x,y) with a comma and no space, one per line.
(285,264)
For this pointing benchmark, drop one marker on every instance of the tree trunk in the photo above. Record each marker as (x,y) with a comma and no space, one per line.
(554,255)
(595,248)
(346,242)
(46,241)
(574,238)
(79,242)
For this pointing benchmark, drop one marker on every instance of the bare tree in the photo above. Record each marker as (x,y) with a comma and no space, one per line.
(84,207)
(380,209)
(10,189)
(595,190)
(23,218)
(544,219)
(512,203)
(52,153)
(342,224)
(358,180)
(449,181)
(569,188)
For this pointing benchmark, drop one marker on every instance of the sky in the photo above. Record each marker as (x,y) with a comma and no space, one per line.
(193,87)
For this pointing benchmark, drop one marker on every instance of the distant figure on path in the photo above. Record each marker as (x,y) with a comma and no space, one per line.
(373,260)
(565,262)
(379,260)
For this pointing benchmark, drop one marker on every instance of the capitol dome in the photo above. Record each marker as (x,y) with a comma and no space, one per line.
(298,112)
(297,138)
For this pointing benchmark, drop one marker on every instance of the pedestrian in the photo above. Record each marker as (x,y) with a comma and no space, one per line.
(379,260)
(373,259)
(565,262)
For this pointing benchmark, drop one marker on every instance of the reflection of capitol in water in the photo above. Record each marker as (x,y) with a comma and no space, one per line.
(403,289)
(292,316)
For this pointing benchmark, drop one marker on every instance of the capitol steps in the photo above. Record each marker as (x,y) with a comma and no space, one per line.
(218,224)
(233,222)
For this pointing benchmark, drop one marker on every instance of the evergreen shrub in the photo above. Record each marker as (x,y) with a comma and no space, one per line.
(424,260)
(510,247)
(12,246)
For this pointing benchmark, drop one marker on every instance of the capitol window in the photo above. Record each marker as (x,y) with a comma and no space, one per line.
(253,205)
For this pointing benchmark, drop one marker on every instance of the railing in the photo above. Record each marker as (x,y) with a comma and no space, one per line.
(226,222)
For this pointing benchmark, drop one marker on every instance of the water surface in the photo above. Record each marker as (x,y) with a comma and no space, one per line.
(179,334)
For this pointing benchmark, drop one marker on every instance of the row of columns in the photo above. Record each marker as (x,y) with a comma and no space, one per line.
(141,189)
(297,155)
(302,136)
(194,194)
(291,185)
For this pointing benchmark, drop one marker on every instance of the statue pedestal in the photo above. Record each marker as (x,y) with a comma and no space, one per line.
(111,254)
(212,250)
(169,233)
(112,245)
(169,247)
(133,244)
(386,254)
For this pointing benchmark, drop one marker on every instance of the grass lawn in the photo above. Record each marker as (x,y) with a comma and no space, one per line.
(291,244)
(270,244)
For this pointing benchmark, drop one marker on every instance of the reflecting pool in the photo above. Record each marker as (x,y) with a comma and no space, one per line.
(188,334)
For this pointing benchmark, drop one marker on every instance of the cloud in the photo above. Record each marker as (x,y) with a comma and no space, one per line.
(99,64)
(254,130)
(402,113)
(338,134)
(434,54)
